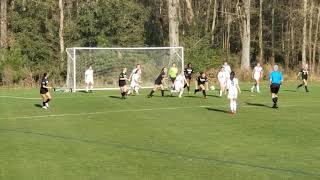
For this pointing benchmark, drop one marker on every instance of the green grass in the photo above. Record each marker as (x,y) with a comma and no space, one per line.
(98,136)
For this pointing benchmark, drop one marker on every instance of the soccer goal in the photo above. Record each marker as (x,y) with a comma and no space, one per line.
(107,63)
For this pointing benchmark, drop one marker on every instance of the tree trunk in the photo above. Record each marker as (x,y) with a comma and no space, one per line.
(4,25)
(215,6)
(310,32)
(208,16)
(245,57)
(190,14)
(261,54)
(61,29)
(304,32)
(313,65)
(272,33)
(173,8)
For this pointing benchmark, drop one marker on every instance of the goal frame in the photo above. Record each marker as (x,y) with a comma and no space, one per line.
(71,53)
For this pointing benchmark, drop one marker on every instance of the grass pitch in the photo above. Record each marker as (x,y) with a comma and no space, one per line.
(99,136)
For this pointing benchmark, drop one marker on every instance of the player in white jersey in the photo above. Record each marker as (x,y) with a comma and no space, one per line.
(179,83)
(222,78)
(89,79)
(135,78)
(256,75)
(227,68)
(234,89)
(134,85)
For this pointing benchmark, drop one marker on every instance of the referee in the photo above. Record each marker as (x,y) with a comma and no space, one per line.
(275,82)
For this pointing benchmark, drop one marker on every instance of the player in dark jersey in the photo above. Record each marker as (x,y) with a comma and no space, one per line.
(304,76)
(158,84)
(44,91)
(123,83)
(202,84)
(188,71)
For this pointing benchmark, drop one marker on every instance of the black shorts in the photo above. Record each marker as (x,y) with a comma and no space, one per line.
(172,79)
(158,83)
(188,77)
(305,78)
(122,83)
(275,88)
(43,91)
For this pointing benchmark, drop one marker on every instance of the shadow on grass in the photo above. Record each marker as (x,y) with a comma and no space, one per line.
(38,105)
(289,90)
(218,110)
(115,97)
(209,95)
(257,104)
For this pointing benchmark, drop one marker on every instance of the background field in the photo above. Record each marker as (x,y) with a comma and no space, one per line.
(99,136)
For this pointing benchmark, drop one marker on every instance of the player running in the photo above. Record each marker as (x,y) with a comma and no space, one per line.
(256,75)
(222,78)
(227,68)
(136,70)
(304,76)
(44,91)
(275,82)
(89,79)
(202,84)
(173,72)
(123,83)
(158,84)
(234,89)
(134,85)
(188,74)
(179,84)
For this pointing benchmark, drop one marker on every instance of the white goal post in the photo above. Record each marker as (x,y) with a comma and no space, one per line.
(107,64)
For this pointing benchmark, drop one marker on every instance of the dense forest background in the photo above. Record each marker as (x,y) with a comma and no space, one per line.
(35,33)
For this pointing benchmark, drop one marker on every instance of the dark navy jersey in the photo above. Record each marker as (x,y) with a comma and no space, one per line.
(44,82)
(304,74)
(122,77)
(188,72)
(160,77)
(202,80)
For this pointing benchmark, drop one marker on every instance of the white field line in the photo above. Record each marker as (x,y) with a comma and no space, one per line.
(129,110)
(32,98)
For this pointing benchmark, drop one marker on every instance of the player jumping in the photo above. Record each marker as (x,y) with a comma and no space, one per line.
(44,91)
(202,84)
(304,76)
(256,75)
(123,83)
(234,89)
(158,84)
(89,79)
(275,82)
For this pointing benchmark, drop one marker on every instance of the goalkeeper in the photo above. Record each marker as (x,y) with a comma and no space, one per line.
(173,71)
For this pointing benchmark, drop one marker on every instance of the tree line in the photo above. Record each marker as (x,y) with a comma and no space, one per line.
(34,34)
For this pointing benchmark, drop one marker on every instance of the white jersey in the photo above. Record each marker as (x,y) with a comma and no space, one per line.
(232,86)
(136,71)
(135,80)
(222,77)
(88,76)
(257,72)
(227,68)
(179,82)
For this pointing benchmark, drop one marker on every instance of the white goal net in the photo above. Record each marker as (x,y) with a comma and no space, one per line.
(107,64)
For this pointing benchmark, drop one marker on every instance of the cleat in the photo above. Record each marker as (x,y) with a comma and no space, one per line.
(47,105)
(44,107)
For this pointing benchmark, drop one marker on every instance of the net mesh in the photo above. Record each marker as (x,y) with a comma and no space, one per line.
(107,64)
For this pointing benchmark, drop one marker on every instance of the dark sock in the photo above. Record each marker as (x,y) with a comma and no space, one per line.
(188,88)
(306,87)
(300,85)
(276,99)
(122,94)
(151,93)
(47,100)
(185,85)
(196,90)
(43,103)
(162,92)
(204,93)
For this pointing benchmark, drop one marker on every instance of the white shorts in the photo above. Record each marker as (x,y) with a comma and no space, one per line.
(87,81)
(134,84)
(222,82)
(232,94)
(178,86)
(256,77)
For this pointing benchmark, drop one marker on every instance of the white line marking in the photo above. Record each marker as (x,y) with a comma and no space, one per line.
(130,110)
(32,98)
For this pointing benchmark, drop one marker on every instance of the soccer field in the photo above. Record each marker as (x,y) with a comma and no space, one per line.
(100,136)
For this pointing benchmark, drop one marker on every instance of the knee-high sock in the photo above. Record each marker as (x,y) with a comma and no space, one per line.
(204,93)
(91,87)
(180,94)
(162,92)
(87,88)
(220,93)
(151,93)
(306,87)
(258,88)
(43,103)
(234,105)
(188,88)
(300,85)
(47,100)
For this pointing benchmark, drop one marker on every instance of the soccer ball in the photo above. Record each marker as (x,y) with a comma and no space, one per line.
(212,88)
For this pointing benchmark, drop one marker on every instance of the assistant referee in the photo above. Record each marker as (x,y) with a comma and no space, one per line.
(276,80)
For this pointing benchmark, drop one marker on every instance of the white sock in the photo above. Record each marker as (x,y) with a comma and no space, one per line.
(252,88)
(220,93)
(234,106)
(87,88)
(258,88)
(231,106)
(180,94)
(91,87)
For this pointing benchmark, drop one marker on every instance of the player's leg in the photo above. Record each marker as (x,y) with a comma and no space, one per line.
(136,89)
(305,85)
(258,85)
(44,99)
(188,86)
(234,105)
(48,97)
(162,89)
(203,89)
(300,85)
(87,86)
(91,86)
(222,87)
(153,90)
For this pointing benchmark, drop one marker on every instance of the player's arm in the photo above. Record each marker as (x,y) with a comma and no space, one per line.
(261,74)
